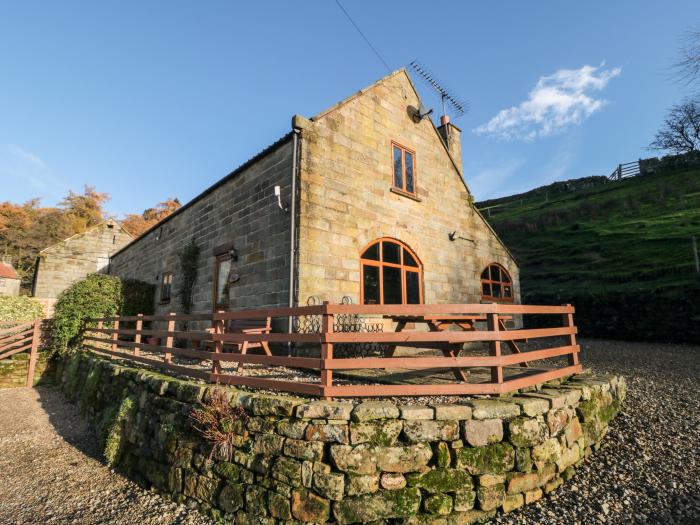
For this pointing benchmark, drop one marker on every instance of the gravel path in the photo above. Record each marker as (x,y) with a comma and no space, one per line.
(49,474)
(647,472)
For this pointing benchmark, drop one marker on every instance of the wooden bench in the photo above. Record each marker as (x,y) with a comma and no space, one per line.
(252,327)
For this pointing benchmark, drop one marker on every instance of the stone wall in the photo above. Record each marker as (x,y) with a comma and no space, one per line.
(299,460)
(13,370)
(9,286)
(241,211)
(74,258)
(346,200)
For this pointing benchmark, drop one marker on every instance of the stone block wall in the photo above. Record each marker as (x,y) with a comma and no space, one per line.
(307,461)
(240,210)
(347,201)
(13,370)
(74,258)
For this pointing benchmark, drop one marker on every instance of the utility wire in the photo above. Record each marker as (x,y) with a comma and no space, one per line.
(363,36)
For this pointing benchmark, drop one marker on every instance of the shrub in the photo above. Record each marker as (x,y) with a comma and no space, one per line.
(137,297)
(95,296)
(19,309)
(221,424)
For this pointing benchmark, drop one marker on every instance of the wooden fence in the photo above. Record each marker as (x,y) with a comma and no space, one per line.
(628,169)
(22,338)
(450,326)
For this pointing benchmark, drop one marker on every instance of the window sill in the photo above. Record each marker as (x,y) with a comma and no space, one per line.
(411,196)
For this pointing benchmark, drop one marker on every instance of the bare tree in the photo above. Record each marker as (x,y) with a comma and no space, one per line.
(680,132)
(688,64)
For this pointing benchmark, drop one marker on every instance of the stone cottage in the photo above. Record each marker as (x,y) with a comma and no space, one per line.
(365,201)
(9,280)
(72,259)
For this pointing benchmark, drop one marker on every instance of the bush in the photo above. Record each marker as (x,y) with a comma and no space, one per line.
(137,297)
(95,296)
(19,309)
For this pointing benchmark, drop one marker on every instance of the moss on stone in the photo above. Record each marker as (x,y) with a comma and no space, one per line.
(115,433)
(441,480)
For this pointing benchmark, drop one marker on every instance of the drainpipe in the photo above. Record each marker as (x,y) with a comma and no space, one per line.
(292,216)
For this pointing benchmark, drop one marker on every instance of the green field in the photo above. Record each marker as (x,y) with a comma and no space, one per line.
(626,236)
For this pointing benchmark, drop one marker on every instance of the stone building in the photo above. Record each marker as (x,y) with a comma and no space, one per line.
(9,280)
(72,259)
(366,200)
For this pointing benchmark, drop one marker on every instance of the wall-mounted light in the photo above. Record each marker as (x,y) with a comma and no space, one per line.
(278,194)
(453,237)
(233,254)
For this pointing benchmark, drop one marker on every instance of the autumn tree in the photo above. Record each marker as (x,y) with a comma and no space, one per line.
(137,224)
(26,229)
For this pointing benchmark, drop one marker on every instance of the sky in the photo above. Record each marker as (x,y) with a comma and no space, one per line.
(150,100)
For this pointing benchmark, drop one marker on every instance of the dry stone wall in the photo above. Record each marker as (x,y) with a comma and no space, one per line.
(308,461)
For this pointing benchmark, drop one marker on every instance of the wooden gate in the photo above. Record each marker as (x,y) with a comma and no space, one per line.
(22,338)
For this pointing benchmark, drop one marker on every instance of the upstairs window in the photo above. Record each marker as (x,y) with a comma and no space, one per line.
(166,284)
(404,169)
(391,274)
(496,284)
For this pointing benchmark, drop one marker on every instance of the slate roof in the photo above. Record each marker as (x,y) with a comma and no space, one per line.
(7,272)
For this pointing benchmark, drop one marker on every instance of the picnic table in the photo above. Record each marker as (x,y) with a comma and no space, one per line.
(440,323)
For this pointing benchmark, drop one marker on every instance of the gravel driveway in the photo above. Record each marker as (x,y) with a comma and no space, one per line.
(647,472)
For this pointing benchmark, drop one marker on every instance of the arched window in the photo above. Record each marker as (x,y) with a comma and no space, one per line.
(496,284)
(391,274)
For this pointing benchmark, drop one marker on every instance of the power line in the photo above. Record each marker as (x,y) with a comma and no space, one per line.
(363,36)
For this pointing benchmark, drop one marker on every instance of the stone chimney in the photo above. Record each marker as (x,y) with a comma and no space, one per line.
(451,134)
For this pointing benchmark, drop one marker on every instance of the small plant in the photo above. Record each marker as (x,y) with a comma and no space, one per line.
(220,424)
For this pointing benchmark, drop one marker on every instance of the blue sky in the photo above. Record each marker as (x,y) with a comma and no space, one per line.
(147,100)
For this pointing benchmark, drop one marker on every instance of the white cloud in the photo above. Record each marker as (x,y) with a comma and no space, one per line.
(556,102)
(495,180)
(35,178)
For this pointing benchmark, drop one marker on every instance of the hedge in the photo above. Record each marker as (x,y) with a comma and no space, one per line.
(20,308)
(95,296)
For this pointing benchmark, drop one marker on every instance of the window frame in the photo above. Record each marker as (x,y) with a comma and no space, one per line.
(381,264)
(402,189)
(500,282)
(166,286)
(218,259)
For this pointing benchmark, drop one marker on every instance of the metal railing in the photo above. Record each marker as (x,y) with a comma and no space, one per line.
(449,327)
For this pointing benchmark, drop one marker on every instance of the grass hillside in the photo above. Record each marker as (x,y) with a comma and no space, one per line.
(588,235)
(621,252)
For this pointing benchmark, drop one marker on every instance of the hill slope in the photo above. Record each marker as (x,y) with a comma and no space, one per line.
(594,242)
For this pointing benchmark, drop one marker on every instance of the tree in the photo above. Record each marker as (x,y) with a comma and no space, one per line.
(680,132)
(688,65)
(84,210)
(137,224)
(26,229)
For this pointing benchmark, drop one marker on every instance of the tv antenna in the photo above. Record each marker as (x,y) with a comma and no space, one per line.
(458,107)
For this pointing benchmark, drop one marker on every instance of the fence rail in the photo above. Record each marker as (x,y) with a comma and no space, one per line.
(22,338)
(628,169)
(205,353)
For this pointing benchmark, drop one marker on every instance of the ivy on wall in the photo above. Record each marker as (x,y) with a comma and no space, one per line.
(189,261)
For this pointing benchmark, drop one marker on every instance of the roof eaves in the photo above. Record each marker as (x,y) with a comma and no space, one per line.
(283,140)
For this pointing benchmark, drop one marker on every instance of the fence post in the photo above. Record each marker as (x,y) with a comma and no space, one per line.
(569,322)
(115,336)
(36,335)
(137,337)
(218,325)
(168,356)
(494,327)
(326,350)
(100,326)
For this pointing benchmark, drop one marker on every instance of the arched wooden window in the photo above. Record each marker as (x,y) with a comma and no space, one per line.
(391,274)
(496,284)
